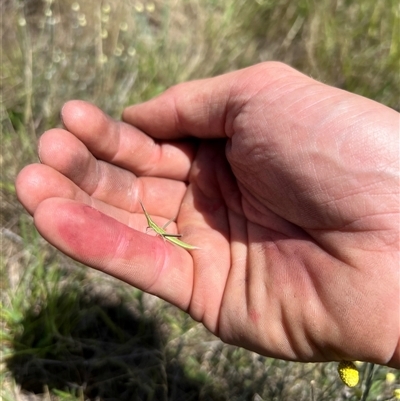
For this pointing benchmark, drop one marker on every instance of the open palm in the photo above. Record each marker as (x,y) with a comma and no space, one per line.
(288,186)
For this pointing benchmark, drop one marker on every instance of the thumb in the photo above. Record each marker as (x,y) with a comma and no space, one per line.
(207,108)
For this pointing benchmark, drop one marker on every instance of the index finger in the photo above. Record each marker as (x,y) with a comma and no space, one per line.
(126,146)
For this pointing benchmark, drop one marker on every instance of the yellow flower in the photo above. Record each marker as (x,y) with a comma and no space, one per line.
(396,393)
(390,378)
(348,373)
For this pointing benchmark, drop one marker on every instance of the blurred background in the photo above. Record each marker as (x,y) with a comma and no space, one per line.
(70,333)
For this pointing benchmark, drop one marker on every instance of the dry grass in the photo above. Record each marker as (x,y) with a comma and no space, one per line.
(70,333)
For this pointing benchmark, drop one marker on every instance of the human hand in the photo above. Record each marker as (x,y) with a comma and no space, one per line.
(288,186)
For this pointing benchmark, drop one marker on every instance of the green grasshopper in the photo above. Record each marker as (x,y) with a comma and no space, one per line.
(173,238)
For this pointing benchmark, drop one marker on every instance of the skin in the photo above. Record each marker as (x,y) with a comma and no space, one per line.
(290,188)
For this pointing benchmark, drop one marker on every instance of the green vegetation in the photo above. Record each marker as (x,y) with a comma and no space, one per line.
(71,333)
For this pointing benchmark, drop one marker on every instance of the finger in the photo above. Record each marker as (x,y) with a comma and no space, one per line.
(193,108)
(125,145)
(206,108)
(111,184)
(38,182)
(287,103)
(99,241)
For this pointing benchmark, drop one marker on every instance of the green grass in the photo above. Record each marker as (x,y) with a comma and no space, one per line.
(71,333)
